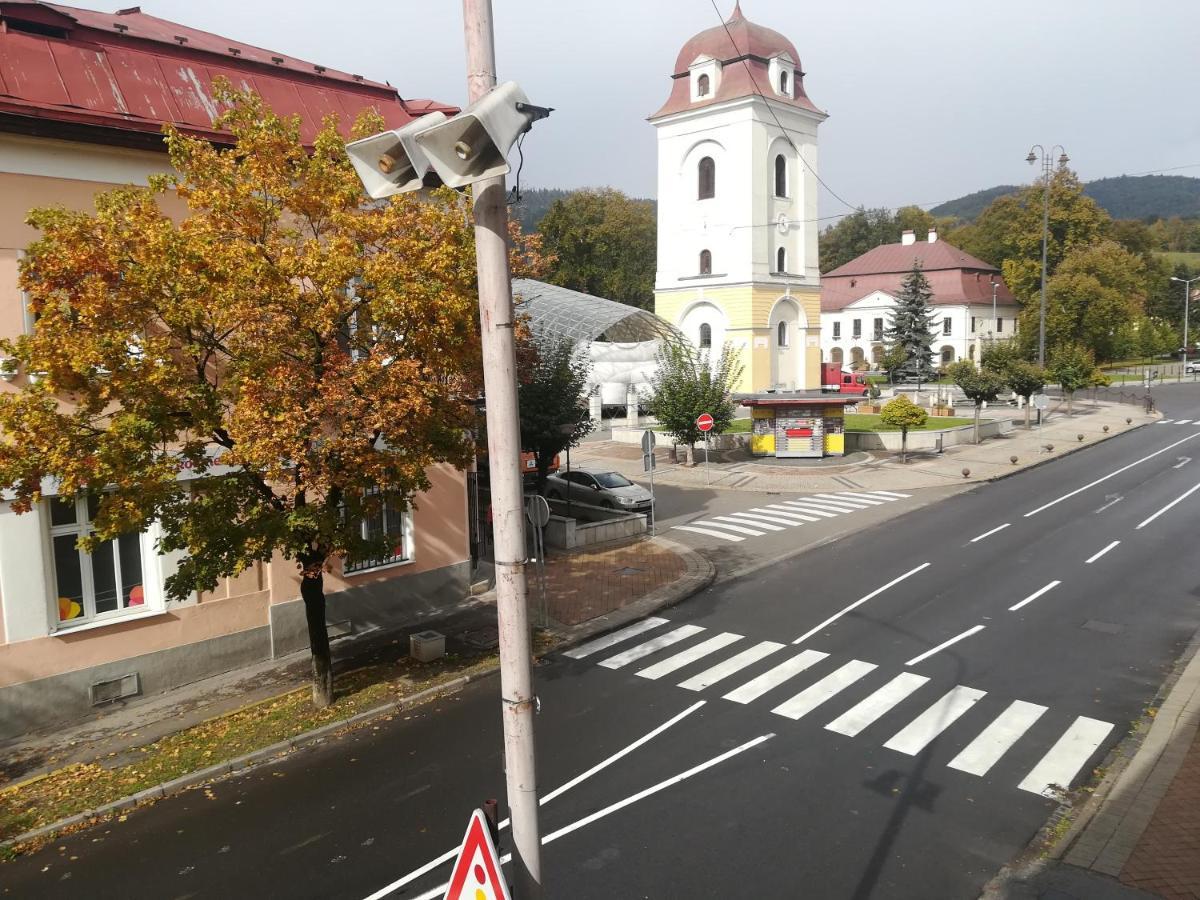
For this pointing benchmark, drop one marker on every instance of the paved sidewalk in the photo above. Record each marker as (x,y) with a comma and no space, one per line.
(1139,836)
(883,471)
(586,591)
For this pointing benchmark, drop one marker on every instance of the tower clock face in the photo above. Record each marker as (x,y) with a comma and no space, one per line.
(783,223)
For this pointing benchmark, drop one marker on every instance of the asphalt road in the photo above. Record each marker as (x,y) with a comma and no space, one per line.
(872,764)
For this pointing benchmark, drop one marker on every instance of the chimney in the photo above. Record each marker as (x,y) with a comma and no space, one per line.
(932,235)
(908,237)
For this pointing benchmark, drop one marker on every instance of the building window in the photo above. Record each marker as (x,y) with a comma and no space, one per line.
(783,84)
(947,323)
(947,355)
(780,176)
(856,328)
(707,170)
(837,331)
(102,584)
(973,323)
(389,519)
(999,325)
(705,262)
(702,86)
(705,336)
(781,334)
(781,260)
(877,330)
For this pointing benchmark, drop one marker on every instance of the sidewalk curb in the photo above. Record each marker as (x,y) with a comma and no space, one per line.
(699,574)
(1050,457)
(1046,847)
(247,761)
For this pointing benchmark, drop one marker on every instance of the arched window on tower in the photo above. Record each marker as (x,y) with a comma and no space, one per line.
(781,260)
(780,176)
(783,84)
(707,170)
(781,334)
(705,336)
(705,262)
(702,86)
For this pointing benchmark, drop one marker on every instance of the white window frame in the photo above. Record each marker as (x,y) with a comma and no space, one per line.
(999,324)
(947,326)
(406,525)
(782,335)
(152,594)
(837,331)
(856,329)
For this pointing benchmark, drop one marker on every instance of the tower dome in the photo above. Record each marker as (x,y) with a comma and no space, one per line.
(738,57)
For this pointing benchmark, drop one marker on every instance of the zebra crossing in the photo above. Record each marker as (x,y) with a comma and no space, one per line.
(1053,773)
(1195,422)
(771,517)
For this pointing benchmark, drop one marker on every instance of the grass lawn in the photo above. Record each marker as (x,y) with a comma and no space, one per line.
(859,422)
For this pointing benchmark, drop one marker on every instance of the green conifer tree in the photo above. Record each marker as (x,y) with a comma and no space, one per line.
(911,323)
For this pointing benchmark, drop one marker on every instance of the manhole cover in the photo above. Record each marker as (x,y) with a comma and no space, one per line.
(1103,627)
(481,638)
(629,570)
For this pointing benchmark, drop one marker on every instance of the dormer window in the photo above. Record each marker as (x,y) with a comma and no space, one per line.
(784,85)
(702,86)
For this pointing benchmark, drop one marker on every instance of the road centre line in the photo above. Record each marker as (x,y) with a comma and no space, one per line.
(1034,596)
(439,891)
(857,603)
(1104,478)
(1178,499)
(945,644)
(562,789)
(990,533)
(1096,556)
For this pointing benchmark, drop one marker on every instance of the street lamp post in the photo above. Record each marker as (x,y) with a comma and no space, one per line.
(1187,295)
(1036,152)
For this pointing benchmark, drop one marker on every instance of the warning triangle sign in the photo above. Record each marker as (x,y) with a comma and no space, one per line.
(477,873)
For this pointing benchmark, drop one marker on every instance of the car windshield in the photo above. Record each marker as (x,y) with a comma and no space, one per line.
(612,480)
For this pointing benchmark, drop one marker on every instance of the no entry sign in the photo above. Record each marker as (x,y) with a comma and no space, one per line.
(704,422)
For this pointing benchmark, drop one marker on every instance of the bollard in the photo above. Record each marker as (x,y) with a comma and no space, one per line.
(1079,436)
(1106,429)
(1013,460)
(1128,421)
(966,473)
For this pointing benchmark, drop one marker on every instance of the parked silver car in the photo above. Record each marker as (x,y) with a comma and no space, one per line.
(598,488)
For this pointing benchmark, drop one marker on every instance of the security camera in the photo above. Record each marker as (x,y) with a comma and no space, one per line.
(391,162)
(474,144)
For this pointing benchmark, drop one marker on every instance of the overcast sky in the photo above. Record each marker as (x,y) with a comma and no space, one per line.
(928,99)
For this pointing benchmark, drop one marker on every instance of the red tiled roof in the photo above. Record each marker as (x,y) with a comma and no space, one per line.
(133,72)
(955,277)
(744,61)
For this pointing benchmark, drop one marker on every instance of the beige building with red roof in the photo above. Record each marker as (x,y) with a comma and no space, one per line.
(737,203)
(83,97)
(857,300)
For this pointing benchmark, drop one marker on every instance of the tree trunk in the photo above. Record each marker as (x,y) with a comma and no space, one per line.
(312,591)
(691,454)
(1070,397)
(977,408)
(1028,403)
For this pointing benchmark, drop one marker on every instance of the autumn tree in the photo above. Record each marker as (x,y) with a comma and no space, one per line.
(317,347)
(553,408)
(603,243)
(689,382)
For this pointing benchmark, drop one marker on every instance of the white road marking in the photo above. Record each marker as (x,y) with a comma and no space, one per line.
(440,890)
(736,520)
(1164,421)
(775,524)
(850,496)
(870,497)
(1117,498)
(942,646)
(1183,461)
(804,512)
(740,529)
(917,734)
(863,714)
(1092,484)
(633,654)
(816,694)
(1178,499)
(1034,595)
(857,603)
(562,789)
(892,494)
(811,505)
(734,664)
(1182,421)
(756,687)
(689,656)
(708,531)
(1096,556)
(1068,755)
(833,503)
(603,643)
(990,533)
(785,513)
(993,742)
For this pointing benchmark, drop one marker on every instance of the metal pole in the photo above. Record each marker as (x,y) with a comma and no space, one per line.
(653,511)
(517,700)
(707,474)
(1045,241)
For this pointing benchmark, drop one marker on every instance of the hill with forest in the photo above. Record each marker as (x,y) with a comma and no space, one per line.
(1146,197)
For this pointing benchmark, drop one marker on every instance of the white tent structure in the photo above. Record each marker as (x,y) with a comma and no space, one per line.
(622,341)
